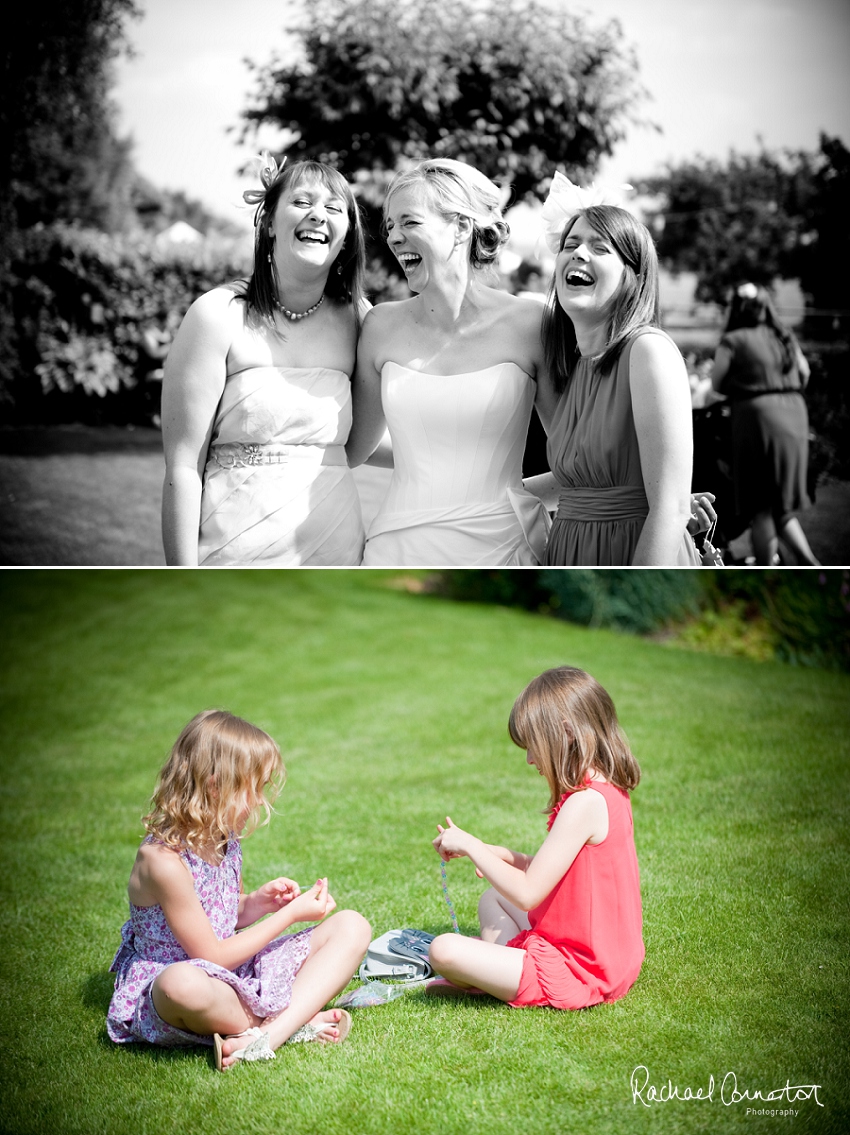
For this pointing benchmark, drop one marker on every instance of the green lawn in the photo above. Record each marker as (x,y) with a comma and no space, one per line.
(391,709)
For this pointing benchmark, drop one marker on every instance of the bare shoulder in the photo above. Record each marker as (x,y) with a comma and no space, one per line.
(156,857)
(584,813)
(650,352)
(386,314)
(218,302)
(157,871)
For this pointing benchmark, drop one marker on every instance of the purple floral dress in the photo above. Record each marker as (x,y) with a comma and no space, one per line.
(264,983)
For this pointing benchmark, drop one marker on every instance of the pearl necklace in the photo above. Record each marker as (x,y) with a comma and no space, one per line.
(298,314)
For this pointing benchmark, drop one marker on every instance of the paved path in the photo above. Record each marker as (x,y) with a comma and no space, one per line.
(83,496)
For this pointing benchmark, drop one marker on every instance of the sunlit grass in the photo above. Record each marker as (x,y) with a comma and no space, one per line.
(391,710)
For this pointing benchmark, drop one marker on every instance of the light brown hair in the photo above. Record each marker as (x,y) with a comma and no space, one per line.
(220,765)
(568,723)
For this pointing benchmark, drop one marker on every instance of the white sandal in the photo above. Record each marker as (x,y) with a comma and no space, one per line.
(258,1049)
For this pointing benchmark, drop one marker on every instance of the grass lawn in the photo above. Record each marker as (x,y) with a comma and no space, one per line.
(391,710)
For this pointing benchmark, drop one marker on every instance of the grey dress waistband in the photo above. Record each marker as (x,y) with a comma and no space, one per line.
(621,502)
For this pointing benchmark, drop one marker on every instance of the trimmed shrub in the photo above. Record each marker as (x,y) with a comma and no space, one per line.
(83,308)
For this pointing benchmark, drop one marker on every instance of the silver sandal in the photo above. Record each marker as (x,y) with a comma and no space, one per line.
(258,1049)
(313,1032)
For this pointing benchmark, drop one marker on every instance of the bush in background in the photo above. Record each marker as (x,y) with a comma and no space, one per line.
(92,315)
(84,304)
(639,602)
(797,616)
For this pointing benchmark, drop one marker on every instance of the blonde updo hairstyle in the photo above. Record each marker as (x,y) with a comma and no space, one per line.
(220,766)
(459,190)
(567,721)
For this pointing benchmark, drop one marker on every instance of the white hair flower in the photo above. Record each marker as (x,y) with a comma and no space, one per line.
(566,199)
(748,291)
(268,171)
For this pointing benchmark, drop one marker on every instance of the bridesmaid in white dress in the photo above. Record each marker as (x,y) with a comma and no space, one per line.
(453,374)
(257,391)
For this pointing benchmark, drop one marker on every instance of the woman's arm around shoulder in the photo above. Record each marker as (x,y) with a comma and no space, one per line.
(661,406)
(368,423)
(193,381)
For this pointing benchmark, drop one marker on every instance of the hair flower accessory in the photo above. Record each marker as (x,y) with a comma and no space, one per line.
(748,291)
(268,171)
(566,199)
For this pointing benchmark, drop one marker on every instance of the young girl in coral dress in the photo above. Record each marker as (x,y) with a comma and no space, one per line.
(183,973)
(563,927)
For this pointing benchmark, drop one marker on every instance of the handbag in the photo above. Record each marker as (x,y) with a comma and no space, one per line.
(399,956)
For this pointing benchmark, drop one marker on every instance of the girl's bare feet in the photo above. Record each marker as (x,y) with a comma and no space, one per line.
(329,1026)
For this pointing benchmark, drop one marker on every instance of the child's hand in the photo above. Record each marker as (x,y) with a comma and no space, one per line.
(452,842)
(313,905)
(277,893)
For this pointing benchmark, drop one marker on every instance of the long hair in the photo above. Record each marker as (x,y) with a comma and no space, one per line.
(460,190)
(220,765)
(752,306)
(346,277)
(568,697)
(635,304)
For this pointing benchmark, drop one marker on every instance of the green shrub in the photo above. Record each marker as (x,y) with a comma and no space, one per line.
(797,616)
(82,301)
(808,611)
(636,601)
(79,304)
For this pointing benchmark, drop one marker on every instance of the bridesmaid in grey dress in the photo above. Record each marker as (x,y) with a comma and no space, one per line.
(620,437)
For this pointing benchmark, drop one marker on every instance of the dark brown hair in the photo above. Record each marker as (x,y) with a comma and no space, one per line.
(634,306)
(346,277)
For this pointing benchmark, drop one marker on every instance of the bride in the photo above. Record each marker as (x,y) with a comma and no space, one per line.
(452,373)
(257,394)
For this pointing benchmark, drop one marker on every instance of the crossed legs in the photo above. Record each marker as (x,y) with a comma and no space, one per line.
(484,963)
(190,999)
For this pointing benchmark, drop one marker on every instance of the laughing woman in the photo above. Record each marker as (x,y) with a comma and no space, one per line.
(257,393)
(453,373)
(620,437)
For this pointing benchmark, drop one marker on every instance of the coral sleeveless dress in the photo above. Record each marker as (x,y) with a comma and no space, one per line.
(264,982)
(456,497)
(585,944)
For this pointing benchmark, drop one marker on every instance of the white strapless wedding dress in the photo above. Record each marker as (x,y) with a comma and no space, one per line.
(456,497)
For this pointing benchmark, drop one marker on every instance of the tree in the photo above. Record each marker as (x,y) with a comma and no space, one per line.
(61,158)
(514,87)
(758,218)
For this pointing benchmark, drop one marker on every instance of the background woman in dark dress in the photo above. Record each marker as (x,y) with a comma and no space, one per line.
(760,368)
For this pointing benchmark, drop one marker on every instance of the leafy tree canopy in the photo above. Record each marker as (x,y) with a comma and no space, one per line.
(61,159)
(758,218)
(514,87)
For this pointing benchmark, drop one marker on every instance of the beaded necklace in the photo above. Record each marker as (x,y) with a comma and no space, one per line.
(298,314)
(455,926)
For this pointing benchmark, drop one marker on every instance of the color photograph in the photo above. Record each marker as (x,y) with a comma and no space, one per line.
(679,957)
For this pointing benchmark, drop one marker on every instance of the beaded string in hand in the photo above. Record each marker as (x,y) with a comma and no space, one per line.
(449,904)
